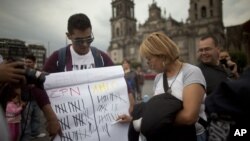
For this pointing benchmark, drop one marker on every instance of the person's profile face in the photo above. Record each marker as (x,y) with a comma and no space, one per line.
(207,52)
(224,55)
(155,63)
(81,40)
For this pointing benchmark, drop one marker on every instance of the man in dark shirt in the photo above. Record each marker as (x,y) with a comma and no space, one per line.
(37,99)
(208,55)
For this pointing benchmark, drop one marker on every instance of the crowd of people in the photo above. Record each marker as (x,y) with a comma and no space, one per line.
(196,101)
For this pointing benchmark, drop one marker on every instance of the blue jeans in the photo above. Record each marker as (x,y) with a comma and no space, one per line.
(31,121)
(202,137)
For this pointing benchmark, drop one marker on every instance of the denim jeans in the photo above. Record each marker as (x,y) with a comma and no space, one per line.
(202,137)
(31,121)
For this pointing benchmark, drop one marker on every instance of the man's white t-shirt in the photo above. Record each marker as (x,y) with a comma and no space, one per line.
(80,62)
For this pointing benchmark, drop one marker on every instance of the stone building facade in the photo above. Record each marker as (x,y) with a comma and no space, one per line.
(205,16)
(18,49)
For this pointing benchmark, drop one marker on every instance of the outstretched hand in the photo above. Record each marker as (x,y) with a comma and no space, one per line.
(11,73)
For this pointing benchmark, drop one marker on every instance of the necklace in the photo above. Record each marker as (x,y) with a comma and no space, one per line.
(169,88)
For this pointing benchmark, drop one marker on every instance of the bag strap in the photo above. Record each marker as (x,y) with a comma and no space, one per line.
(97,57)
(61,59)
(165,83)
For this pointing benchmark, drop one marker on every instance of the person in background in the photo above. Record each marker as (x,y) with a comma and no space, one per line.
(227,110)
(227,63)
(186,83)
(132,79)
(208,56)
(31,116)
(16,73)
(140,77)
(13,113)
(10,73)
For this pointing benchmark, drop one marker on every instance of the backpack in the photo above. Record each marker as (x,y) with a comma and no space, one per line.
(62,58)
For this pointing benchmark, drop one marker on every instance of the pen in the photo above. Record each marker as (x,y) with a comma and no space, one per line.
(116,121)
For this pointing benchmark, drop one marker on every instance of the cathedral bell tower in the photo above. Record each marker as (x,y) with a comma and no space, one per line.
(204,10)
(206,16)
(123,22)
(123,28)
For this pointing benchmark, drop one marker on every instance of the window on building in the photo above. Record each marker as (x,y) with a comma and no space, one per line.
(203,12)
(118,10)
(117,32)
(195,6)
(132,50)
(211,13)
(131,12)
(196,16)
(130,31)
(114,14)
(211,3)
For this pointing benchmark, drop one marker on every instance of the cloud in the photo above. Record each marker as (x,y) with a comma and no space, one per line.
(236,12)
(45,21)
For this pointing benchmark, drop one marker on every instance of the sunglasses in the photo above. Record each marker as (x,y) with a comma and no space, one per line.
(81,41)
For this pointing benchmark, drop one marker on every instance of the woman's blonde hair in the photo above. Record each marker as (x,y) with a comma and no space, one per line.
(158,44)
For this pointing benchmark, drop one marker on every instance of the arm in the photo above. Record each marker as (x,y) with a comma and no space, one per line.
(13,108)
(54,127)
(40,96)
(192,98)
(131,102)
(130,98)
(234,70)
(42,100)
(138,90)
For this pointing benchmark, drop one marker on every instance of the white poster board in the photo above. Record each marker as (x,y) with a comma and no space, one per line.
(87,102)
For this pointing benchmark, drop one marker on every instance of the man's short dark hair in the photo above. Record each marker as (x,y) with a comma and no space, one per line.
(31,57)
(214,38)
(127,61)
(78,21)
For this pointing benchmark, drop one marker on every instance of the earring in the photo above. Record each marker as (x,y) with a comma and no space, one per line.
(163,64)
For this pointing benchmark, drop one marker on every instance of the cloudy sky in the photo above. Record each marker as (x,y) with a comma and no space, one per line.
(45,21)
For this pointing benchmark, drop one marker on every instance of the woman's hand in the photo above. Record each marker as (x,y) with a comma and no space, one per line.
(124,118)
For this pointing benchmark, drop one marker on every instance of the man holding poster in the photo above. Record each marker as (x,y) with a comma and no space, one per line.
(81,56)
(87,107)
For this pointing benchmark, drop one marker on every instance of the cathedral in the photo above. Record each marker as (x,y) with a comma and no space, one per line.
(205,16)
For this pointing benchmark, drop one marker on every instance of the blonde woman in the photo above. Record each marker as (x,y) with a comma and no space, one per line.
(185,82)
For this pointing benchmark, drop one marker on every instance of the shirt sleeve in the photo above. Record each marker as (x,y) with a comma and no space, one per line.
(128,87)
(193,75)
(106,59)
(50,65)
(40,96)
